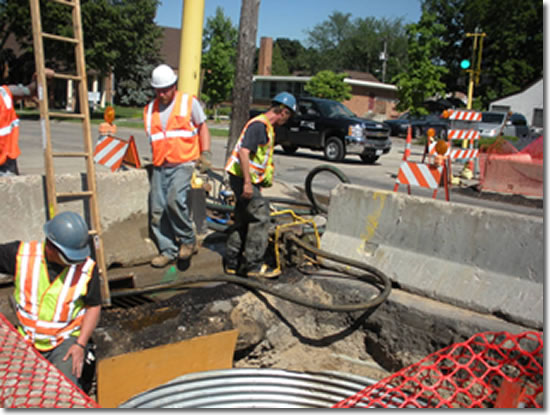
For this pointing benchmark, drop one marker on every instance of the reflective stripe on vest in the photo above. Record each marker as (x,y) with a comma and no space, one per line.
(49,312)
(9,127)
(261,160)
(179,143)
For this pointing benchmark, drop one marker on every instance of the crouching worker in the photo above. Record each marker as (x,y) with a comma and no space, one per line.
(250,168)
(57,291)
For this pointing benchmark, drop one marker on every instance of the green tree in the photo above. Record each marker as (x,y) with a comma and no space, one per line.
(219,26)
(341,43)
(218,61)
(330,85)
(293,53)
(512,48)
(219,71)
(119,36)
(422,76)
(278,63)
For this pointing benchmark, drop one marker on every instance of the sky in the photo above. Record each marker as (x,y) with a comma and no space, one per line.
(291,18)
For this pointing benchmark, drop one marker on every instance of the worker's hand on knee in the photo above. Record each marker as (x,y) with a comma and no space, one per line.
(205,161)
(76,353)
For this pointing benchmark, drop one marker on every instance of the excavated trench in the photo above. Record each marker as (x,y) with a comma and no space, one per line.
(274,332)
(281,334)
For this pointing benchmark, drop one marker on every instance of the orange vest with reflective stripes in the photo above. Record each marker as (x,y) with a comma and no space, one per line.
(49,312)
(9,127)
(179,143)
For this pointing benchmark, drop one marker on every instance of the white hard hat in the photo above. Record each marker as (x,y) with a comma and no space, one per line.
(163,76)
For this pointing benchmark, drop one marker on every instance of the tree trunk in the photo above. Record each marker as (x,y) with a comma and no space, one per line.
(242,90)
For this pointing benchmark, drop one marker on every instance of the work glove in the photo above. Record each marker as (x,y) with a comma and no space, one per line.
(205,161)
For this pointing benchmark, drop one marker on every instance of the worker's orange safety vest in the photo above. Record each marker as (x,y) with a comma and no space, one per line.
(9,127)
(49,312)
(179,143)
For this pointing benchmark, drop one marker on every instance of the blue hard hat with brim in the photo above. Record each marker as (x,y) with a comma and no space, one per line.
(68,232)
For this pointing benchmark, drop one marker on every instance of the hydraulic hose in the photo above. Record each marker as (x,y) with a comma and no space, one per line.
(372,276)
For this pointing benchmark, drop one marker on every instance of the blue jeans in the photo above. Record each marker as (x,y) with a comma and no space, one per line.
(171,223)
(56,355)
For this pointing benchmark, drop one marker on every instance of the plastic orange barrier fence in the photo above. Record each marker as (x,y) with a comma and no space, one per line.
(503,169)
(27,380)
(491,369)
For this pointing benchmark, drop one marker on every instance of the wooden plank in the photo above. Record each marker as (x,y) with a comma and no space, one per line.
(121,377)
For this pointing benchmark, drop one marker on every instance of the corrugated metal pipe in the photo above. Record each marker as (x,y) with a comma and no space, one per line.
(252,388)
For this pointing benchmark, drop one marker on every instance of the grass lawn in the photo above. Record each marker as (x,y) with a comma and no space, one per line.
(131,117)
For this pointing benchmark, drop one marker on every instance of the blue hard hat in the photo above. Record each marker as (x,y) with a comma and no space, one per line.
(287,99)
(69,233)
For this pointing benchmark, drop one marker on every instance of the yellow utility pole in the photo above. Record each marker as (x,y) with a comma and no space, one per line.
(476,65)
(191,46)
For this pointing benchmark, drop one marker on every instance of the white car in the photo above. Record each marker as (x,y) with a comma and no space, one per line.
(492,123)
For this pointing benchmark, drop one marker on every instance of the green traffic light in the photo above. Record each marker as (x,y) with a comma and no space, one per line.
(465,64)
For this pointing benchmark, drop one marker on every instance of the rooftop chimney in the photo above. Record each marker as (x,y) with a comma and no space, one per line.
(266,56)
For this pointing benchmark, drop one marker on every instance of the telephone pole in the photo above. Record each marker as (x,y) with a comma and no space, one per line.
(242,89)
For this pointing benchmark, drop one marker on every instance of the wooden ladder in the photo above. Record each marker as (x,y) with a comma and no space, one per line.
(90,192)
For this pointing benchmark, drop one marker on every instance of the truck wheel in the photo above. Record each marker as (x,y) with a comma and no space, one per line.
(369,158)
(289,149)
(334,149)
(417,132)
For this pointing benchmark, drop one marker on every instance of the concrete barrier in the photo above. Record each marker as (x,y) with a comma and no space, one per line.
(479,259)
(123,207)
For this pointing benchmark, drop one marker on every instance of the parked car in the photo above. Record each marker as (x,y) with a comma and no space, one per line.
(420,125)
(493,122)
(331,127)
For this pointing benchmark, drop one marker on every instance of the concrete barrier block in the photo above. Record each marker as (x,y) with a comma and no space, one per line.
(481,259)
(123,207)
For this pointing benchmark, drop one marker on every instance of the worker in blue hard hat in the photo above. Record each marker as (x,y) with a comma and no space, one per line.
(250,167)
(57,291)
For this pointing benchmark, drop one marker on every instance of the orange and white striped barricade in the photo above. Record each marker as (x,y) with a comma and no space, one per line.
(422,175)
(464,126)
(113,152)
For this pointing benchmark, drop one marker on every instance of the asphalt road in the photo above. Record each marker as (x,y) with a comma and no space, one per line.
(291,169)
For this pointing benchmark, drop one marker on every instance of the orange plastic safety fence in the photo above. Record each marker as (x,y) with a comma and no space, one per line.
(27,380)
(476,373)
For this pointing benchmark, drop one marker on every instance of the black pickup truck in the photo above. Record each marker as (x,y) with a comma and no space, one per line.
(329,126)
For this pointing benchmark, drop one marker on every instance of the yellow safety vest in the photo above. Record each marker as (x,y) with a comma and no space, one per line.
(49,312)
(261,163)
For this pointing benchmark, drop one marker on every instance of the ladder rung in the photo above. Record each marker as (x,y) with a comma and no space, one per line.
(66,114)
(67,76)
(61,38)
(86,193)
(66,2)
(92,232)
(69,154)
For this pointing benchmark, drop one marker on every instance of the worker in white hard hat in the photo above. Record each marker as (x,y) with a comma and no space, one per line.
(176,126)
(57,293)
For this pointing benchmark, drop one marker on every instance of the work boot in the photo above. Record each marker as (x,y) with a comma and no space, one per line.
(229,267)
(160,261)
(187,250)
(263,271)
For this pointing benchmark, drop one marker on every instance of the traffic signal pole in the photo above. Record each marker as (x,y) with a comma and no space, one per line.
(191,46)
(476,65)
